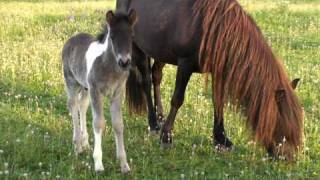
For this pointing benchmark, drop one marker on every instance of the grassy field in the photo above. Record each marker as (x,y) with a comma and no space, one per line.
(36,128)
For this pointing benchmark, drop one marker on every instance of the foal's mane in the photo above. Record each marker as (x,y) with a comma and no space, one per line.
(246,72)
(101,37)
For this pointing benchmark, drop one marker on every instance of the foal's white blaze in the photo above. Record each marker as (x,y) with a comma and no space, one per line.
(97,152)
(95,50)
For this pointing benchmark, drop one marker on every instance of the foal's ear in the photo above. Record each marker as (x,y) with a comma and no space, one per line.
(280,94)
(294,83)
(132,17)
(109,17)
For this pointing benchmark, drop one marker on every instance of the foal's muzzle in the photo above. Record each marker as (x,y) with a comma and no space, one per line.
(124,62)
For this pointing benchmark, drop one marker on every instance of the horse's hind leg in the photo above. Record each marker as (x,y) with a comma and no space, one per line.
(156,79)
(117,124)
(83,107)
(98,126)
(143,64)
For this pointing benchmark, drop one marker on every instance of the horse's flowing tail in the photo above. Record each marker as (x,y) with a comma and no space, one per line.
(135,96)
(246,73)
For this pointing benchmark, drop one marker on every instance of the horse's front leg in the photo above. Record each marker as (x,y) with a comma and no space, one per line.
(156,80)
(221,141)
(117,124)
(182,78)
(98,126)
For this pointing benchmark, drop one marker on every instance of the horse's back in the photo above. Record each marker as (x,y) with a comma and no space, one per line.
(171,25)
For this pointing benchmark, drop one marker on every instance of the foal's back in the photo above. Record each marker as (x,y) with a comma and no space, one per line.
(73,57)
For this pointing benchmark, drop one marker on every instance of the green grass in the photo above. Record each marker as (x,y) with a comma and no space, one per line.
(36,129)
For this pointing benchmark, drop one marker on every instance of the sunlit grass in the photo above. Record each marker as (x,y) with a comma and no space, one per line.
(36,129)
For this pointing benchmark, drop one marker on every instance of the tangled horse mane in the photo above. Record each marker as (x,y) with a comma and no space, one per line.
(246,73)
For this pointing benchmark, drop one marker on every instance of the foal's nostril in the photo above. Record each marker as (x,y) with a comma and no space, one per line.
(124,63)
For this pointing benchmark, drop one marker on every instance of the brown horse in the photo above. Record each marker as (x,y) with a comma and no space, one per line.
(219,37)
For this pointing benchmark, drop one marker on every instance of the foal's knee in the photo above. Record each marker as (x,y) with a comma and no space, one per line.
(99,124)
(71,103)
(117,126)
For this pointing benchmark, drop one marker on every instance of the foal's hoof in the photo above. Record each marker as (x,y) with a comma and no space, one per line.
(125,168)
(98,167)
(78,149)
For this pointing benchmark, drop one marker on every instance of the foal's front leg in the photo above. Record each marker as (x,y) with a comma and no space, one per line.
(117,124)
(98,126)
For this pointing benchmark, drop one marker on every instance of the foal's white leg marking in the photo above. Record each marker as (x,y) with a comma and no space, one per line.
(95,50)
(97,152)
(117,124)
(83,107)
(98,127)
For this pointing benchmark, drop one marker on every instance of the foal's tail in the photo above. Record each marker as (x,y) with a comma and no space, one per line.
(135,97)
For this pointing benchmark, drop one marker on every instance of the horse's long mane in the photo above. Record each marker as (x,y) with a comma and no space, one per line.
(246,72)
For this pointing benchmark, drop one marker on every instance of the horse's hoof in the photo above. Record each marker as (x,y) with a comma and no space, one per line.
(154,132)
(161,119)
(125,168)
(166,145)
(222,148)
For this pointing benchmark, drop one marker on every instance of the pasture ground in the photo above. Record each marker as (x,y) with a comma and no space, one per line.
(36,129)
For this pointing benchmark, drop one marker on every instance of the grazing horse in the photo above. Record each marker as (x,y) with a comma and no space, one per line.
(218,37)
(94,67)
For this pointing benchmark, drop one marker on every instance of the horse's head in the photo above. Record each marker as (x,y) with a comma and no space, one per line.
(287,134)
(120,32)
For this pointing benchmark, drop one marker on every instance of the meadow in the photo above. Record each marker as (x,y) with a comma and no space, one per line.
(36,128)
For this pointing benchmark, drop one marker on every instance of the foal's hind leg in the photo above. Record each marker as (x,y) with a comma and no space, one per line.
(73,104)
(83,107)
(117,124)
(156,79)
(98,126)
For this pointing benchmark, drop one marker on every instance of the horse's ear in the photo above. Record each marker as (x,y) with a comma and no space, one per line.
(280,94)
(109,17)
(133,17)
(294,83)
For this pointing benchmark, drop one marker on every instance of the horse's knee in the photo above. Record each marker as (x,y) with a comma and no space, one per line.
(177,101)
(156,76)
